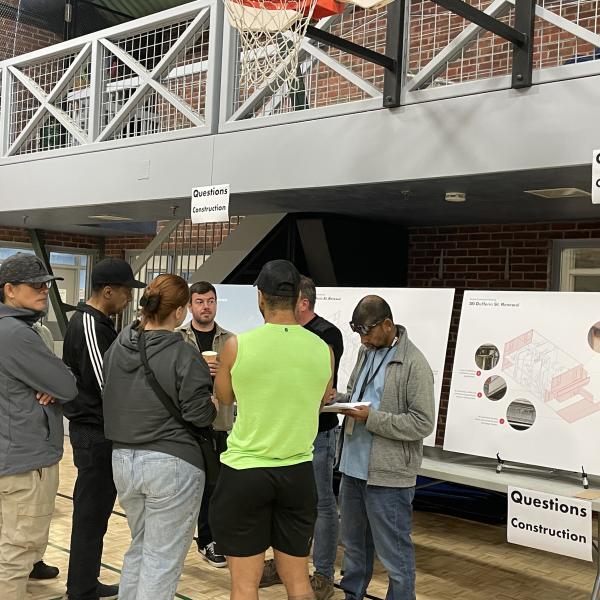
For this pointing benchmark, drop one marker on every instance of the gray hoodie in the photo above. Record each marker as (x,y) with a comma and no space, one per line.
(134,417)
(31,435)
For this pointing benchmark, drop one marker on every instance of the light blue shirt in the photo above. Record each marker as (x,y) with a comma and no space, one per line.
(357,445)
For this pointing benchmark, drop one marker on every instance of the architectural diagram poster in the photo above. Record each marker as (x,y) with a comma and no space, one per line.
(526,379)
(425,313)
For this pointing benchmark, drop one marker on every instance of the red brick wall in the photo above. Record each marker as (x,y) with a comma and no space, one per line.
(474,257)
(115,246)
(19,38)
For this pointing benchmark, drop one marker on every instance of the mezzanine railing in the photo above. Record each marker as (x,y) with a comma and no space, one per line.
(177,73)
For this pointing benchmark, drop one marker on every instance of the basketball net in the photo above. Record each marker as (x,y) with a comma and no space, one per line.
(271,33)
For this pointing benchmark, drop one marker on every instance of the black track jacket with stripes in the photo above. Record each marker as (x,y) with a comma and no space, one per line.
(90,334)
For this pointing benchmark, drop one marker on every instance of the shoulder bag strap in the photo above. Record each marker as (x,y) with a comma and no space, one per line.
(166,400)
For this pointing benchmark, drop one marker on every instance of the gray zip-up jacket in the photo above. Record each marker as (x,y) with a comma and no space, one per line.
(31,435)
(405,415)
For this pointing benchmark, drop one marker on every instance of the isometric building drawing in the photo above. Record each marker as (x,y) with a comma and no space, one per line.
(550,374)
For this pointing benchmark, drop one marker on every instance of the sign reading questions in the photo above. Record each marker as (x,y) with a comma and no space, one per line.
(549,522)
(210,204)
(596,177)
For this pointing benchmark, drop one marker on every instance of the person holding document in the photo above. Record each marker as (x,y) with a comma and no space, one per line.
(382,450)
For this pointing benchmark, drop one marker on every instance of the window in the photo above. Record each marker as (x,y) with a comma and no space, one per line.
(576,266)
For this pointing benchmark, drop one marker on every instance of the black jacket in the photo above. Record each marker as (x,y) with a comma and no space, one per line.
(134,417)
(31,435)
(89,335)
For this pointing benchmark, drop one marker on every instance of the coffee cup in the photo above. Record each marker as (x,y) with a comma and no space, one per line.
(209,356)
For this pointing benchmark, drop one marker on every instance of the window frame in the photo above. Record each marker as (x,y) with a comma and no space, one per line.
(558,247)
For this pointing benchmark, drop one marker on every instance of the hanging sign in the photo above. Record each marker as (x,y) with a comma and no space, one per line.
(210,204)
(596,177)
(549,522)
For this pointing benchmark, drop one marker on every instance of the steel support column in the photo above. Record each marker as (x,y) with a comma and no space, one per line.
(57,304)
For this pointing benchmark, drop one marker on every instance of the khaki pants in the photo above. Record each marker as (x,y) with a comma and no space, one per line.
(26,507)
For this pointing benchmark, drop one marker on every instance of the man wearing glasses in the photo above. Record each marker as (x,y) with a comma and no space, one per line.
(35,384)
(206,335)
(382,450)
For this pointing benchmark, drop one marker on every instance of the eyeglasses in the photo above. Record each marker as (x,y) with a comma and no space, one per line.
(37,285)
(364,329)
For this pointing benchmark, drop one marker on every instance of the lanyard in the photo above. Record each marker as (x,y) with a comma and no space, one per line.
(368,380)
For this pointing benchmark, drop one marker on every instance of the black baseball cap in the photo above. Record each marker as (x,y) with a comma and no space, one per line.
(114,271)
(24,268)
(279,278)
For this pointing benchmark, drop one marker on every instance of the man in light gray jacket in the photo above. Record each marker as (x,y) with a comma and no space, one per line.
(34,383)
(382,450)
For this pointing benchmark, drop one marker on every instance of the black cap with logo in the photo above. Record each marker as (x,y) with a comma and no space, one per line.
(24,268)
(279,278)
(114,271)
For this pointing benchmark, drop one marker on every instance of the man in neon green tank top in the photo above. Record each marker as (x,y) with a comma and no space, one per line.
(279,375)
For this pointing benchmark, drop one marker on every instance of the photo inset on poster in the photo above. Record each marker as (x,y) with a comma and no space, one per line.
(487,357)
(594,337)
(494,388)
(520,414)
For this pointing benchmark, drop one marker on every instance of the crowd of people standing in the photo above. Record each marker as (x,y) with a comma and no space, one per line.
(153,407)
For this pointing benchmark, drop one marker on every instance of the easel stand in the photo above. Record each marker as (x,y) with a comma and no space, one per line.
(501,464)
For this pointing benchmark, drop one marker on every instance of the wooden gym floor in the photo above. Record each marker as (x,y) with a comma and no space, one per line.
(455,559)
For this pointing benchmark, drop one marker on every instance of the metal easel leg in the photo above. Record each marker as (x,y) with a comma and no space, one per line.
(596,590)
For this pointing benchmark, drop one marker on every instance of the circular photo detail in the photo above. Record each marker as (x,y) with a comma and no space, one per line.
(594,337)
(494,388)
(487,357)
(520,414)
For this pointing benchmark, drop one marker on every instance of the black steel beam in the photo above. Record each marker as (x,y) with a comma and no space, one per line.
(484,20)
(59,308)
(346,46)
(394,49)
(522,64)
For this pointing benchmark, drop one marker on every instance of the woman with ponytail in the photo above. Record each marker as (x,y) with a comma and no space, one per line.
(157,464)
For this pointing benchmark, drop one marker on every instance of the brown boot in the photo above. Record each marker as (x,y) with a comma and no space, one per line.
(322,586)
(270,575)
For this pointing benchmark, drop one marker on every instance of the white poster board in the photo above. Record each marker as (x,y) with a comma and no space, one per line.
(426,314)
(526,379)
(549,522)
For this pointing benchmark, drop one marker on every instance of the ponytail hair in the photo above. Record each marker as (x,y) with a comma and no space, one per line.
(163,295)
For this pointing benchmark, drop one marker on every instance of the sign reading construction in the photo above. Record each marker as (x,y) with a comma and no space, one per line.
(210,204)
(549,522)
(596,177)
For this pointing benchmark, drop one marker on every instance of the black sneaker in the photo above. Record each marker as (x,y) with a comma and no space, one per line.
(107,592)
(211,557)
(43,571)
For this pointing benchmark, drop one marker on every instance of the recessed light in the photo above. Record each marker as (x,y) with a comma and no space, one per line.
(110,218)
(559,193)
(455,197)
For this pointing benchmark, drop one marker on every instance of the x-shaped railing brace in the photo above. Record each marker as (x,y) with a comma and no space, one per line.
(520,36)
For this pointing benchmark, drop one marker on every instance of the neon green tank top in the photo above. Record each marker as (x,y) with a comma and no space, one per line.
(279,378)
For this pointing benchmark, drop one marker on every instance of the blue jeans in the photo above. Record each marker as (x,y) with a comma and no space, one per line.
(161,496)
(377,519)
(326,527)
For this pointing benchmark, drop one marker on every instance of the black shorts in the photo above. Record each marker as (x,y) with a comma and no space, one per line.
(253,509)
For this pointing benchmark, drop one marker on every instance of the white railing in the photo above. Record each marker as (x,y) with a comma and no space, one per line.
(151,77)
(177,73)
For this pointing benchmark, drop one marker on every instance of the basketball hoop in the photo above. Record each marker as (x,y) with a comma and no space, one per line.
(271,33)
